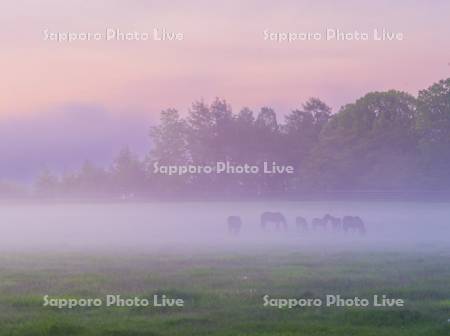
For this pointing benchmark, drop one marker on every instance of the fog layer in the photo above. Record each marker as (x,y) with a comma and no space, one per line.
(202,225)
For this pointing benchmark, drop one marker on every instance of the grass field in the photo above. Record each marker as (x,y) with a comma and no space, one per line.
(223,293)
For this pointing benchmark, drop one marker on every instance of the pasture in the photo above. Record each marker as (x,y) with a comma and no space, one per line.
(223,293)
(185,251)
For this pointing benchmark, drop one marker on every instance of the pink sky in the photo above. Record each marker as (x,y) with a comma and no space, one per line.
(223,53)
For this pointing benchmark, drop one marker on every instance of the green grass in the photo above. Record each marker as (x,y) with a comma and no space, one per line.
(223,293)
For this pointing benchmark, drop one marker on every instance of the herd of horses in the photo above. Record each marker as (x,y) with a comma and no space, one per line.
(278,221)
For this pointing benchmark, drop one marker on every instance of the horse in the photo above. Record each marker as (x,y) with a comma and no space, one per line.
(335,222)
(318,223)
(234,224)
(301,224)
(353,224)
(273,217)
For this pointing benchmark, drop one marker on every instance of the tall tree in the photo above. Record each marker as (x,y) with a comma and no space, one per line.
(269,149)
(201,133)
(302,128)
(169,139)
(369,144)
(128,173)
(433,125)
(320,112)
(170,147)
(223,129)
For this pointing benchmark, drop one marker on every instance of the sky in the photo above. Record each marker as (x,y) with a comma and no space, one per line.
(89,98)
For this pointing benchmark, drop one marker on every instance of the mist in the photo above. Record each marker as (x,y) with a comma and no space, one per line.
(172,227)
(62,138)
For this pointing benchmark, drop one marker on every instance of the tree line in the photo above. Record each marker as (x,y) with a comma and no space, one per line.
(384,141)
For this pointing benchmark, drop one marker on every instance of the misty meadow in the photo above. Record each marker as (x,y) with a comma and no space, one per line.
(129,231)
(233,168)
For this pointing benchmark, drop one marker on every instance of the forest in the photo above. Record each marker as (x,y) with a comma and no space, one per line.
(384,141)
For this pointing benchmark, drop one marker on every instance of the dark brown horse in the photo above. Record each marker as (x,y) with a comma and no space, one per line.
(319,223)
(335,222)
(353,224)
(275,218)
(301,224)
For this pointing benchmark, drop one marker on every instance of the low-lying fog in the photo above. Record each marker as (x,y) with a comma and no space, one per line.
(171,226)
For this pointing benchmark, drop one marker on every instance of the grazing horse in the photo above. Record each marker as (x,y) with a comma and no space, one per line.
(234,224)
(334,221)
(319,223)
(301,224)
(353,224)
(276,218)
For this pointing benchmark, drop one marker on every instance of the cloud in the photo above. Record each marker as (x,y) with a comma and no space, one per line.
(61,139)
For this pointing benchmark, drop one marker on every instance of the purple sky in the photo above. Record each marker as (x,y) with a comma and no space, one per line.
(61,103)
(62,139)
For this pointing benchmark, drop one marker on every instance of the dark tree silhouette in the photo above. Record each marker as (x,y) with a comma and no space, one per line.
(384,141)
